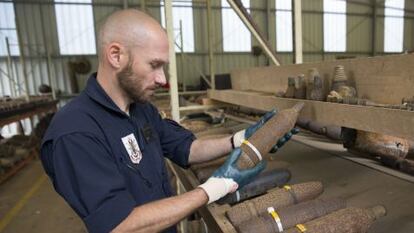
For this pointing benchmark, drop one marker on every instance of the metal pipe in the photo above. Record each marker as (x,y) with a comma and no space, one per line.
(22,60)
(182,56)
(374,28)
(172,67)
(210,39)
(12,82)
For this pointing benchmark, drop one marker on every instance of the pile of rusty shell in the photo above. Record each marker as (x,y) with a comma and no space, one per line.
(204,173)
(349,220)
(300,87)
(290,91)
(291,215)
(265,137)
(381,145)
(265,181)
(286,196)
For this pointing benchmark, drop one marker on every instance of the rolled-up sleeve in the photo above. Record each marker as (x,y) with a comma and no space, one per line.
(86,175)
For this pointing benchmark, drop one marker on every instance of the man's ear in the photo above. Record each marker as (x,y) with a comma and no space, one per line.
(115,53)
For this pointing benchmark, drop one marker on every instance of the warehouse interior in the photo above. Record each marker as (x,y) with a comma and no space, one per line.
(339,71)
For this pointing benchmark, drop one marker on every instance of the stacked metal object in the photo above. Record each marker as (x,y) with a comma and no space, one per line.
(18,147)
(12,106)
(392,151)
(295,209)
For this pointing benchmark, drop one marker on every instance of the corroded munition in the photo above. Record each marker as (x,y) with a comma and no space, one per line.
(349,220)
(300,87)
(339,78)
(290,91)
(205,172)
(381,145)
(314,86)
(291,215)
(265,137)
(263,182)
(289,195)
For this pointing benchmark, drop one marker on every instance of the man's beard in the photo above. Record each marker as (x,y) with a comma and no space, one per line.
(132,86)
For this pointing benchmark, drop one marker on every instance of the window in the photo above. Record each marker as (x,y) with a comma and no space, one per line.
(236,37)
(75,27)
(334,23)
(394,26)
(182,11)
(284,42)
(8,29)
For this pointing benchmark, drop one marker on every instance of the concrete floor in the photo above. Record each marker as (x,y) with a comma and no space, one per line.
(28,202)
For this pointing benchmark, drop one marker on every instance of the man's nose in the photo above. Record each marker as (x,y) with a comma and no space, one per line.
(160,78)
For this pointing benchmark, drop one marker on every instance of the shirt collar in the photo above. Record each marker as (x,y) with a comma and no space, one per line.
(97,93)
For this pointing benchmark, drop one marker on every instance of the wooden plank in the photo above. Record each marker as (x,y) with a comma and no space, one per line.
(393,122)
(385,79)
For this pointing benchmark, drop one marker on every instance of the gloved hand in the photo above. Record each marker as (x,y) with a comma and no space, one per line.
(240,136)
(228,178)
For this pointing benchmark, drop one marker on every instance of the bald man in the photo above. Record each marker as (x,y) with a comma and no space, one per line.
(104,151)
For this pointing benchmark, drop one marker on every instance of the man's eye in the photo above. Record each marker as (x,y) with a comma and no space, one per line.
(156,65)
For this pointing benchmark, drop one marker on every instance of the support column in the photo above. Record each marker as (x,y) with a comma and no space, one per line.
(297,21)
(172,67)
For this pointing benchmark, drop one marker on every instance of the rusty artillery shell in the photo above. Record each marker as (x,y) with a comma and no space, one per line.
(204,173)
(291,215)
(381,145)
(314,86)
(339,78)
(300,87)
(334,132)
(317,127)
(266,180)
(290,91)
(349,220)
(266,137)
(289,195)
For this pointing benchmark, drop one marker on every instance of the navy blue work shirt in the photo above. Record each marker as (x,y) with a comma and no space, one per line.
(91,153)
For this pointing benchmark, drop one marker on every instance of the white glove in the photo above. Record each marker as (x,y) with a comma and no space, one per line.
(238,138)
(217,188)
